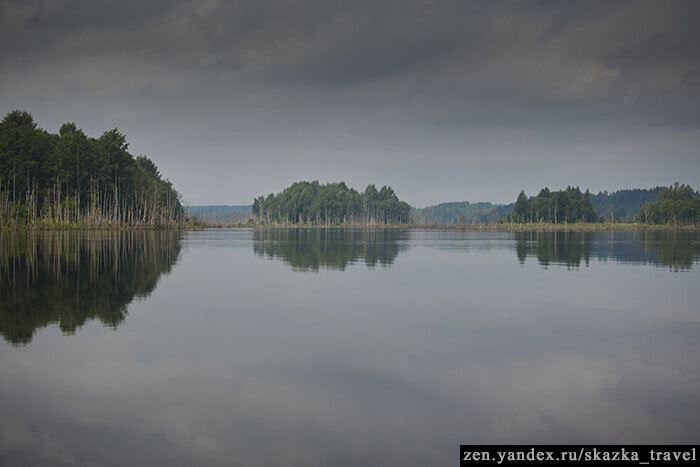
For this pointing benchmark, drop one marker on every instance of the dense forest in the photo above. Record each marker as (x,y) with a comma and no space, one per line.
(678,205)
(310,203)
(570,205)
(70,178)
(622,205)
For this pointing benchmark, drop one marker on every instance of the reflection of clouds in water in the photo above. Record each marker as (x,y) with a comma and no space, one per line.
(376,405)
(361,368)
(692,77)
(17,435)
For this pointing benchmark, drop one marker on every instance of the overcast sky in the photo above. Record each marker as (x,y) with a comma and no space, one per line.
(442,100)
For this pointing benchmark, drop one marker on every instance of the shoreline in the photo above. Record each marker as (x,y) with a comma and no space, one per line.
(578,227)
(503,227)
(96,228)
(493,227)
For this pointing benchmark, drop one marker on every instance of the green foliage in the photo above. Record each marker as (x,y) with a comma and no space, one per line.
(522,207)
(622,205)
(72,178)
(678,204)
(148,166)
(311,203)
(568,205)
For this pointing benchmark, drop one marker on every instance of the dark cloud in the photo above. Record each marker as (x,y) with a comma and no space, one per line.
(434,97)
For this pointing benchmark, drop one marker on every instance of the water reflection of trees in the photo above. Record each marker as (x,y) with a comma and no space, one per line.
(69,278)
(311,249)
(676,250)
(567,248)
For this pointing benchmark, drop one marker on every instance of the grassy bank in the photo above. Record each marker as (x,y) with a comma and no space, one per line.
(49,226)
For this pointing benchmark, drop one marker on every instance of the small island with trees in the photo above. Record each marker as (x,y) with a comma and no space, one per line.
(332,204)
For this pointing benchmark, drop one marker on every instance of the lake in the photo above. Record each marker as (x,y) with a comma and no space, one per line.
(342,347)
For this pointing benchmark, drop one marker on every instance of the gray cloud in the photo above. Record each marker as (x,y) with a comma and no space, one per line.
(442,99)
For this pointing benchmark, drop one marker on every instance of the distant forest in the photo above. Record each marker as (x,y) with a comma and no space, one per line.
(622,205)
(458,213)
(675,205)
(219,214)
(70,178)
(310,203)
(569,205)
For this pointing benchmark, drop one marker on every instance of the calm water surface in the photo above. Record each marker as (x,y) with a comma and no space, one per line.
(296,347)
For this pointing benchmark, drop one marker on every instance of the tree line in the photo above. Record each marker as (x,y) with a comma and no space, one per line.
(569,205)
(70,178)
(678,204)
(626,205)
(311,203)
(622,205)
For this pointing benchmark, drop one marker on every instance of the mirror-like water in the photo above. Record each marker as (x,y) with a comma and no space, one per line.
(335,347)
